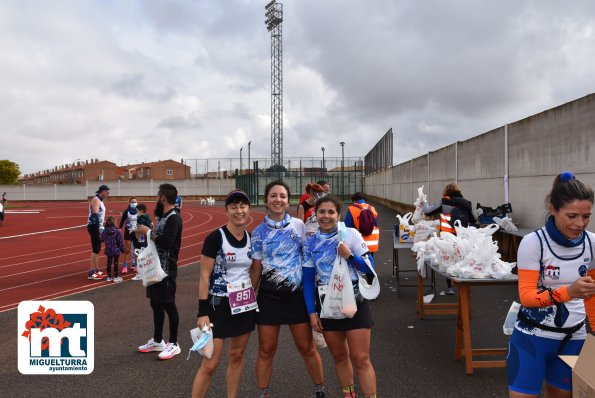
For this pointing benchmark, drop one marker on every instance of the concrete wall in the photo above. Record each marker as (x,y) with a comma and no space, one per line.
(530,152)
(202,187)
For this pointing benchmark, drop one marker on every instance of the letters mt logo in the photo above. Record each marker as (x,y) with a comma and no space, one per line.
(56,337)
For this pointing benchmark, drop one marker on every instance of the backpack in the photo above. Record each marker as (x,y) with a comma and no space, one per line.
(367,221)
(461,214)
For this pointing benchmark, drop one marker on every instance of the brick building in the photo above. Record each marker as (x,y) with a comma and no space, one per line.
(104,170)
(76,173)
(161,170)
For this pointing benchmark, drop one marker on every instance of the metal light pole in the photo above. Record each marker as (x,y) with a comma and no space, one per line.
(322,149)
(274,19)
(342,168)
(241,149)
(249,167)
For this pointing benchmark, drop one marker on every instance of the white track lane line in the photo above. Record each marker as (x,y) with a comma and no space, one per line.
(42,232)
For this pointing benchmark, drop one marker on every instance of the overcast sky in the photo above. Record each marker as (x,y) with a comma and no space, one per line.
(139,80)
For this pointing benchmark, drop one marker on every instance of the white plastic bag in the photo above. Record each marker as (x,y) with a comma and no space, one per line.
(506,224)
(148,264)
(339,301)
(424,230)
(511,318)
(418,214)
(203,341)
(319,339)
(369,291)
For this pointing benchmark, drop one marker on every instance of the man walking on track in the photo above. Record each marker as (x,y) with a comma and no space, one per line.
(94,227)
(167,236)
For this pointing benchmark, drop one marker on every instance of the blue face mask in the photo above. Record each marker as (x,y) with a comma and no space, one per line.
(133,205)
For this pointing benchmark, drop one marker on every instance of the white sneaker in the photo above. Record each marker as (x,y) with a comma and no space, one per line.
(137,278)
(118,279)
(108,279)
(152,346)
(170,351)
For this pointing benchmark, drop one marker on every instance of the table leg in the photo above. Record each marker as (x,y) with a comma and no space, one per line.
(420,296)
(464,297)
(459,332)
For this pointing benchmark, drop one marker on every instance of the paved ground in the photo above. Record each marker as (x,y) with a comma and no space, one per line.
(412,357)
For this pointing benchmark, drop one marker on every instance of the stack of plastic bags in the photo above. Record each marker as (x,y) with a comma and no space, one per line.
(471,253)
(418,214)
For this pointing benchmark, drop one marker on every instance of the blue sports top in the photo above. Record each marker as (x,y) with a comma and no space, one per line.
(279,247)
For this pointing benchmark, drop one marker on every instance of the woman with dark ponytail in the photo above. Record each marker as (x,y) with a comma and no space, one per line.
(556,285)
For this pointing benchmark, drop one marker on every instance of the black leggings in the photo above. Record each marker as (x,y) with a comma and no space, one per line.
(159,310)
(113,259)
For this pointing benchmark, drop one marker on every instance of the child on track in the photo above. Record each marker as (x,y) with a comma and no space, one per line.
(114,246)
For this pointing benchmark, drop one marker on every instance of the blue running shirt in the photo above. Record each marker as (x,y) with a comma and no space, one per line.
(320,252)
(280,251)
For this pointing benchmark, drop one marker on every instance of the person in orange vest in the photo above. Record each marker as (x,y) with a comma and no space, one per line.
(451,207)
(352,220)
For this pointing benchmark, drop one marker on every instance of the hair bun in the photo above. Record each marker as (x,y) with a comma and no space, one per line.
(566,176)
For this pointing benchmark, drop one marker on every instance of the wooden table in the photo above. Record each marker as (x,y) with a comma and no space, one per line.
(463,346)
(396,267)
(508,242)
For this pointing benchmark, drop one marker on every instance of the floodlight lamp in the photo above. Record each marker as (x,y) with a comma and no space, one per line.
(271,3)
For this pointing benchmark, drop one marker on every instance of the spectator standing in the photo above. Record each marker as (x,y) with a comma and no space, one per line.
(168,239)
(128,221)
(94,228)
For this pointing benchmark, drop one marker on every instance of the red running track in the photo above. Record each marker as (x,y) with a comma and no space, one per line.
(45,254)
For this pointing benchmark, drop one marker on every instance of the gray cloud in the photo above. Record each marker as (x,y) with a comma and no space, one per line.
(191,79)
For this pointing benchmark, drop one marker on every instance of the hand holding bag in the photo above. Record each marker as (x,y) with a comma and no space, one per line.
(339,301)
(148,263)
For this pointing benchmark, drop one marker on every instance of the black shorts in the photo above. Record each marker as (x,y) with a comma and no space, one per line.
(361,320)
(162,292)
(127,234)
(95,240)
(225,324)
(277,309)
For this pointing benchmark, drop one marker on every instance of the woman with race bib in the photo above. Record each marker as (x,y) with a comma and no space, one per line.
(348,339)
(556,285)
(225,295)
(277,259)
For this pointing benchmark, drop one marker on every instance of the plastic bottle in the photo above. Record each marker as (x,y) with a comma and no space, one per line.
(511,318)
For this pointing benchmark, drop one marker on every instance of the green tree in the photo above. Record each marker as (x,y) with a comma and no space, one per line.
(9,172)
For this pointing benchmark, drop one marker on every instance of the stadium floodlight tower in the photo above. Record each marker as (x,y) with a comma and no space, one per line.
(274,18)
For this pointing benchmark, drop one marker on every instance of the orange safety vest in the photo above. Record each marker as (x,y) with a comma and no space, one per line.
(370,240)
(445,222)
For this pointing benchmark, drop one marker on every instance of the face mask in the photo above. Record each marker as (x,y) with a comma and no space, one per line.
(159,209)
(133,205)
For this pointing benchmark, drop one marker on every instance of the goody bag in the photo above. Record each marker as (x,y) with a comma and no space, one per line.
(148,263)
(338,301)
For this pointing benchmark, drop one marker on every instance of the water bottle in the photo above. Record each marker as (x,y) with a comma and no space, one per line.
(511,318)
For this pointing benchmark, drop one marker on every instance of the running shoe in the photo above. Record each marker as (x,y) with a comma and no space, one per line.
(137,277)
(170,351)
(320,394)
(118,279)
(94,277)
(124,270)
(108,279)
(152,346)
(449,291)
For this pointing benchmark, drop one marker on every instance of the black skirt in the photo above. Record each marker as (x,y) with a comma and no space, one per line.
(226,325)
(281,309)
(361,320)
